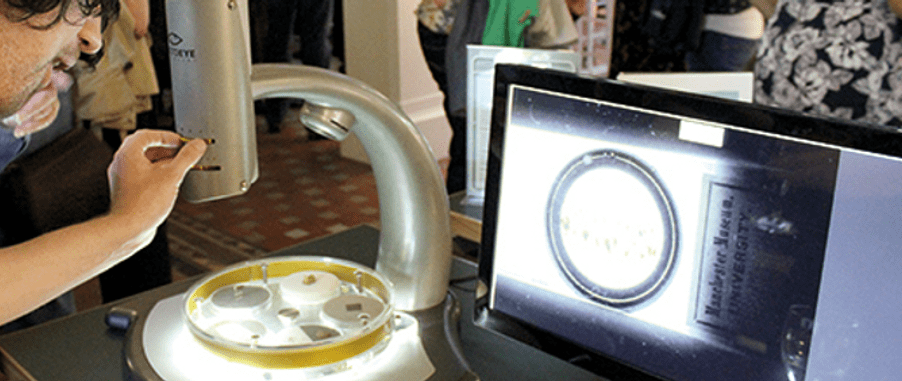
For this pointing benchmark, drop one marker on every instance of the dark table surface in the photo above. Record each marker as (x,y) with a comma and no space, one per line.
(82,347)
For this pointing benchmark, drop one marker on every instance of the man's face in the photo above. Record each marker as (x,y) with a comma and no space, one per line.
(29,56)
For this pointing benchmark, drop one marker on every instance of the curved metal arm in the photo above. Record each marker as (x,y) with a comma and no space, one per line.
(415,243)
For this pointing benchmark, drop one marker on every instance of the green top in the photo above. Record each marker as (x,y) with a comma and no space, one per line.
(506,21)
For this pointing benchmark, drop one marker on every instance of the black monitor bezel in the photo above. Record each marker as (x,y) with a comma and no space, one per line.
(830,131)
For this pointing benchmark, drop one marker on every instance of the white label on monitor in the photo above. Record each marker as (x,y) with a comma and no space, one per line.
(701,133)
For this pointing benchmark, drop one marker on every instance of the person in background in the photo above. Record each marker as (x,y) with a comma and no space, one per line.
(553,28)
(39,39)
(435,20)
(445,27)
(729,39)
(637,47)
(838,59)
(110,95)
(311,19)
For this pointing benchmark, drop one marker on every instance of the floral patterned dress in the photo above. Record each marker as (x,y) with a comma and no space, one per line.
(834,58)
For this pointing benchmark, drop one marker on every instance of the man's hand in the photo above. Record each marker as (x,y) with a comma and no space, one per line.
(767,7)
(576,7)
(144,191)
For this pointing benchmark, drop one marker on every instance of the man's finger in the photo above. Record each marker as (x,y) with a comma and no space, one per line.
(190,154)
(155,154)
(144,139)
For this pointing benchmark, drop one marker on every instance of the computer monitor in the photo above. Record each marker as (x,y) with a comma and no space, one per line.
(481,61)
(643,233)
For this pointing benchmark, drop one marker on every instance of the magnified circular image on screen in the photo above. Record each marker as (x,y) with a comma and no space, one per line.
(612,227)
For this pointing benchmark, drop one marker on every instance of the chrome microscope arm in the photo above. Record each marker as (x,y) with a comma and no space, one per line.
(415,247)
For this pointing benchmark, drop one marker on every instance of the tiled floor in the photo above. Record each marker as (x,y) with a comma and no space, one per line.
(305,190)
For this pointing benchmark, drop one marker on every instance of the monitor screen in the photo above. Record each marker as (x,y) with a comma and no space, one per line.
(645,233)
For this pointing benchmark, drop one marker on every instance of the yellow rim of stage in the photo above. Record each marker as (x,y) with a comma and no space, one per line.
(300,356)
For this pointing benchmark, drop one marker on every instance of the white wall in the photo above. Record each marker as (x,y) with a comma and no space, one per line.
(383,50)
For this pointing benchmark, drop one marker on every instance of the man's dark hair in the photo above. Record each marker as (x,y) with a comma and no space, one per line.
(21,10)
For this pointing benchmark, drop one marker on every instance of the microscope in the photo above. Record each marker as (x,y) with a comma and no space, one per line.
(307,317)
